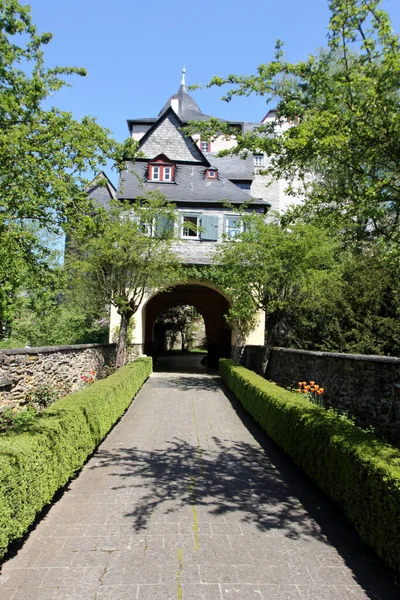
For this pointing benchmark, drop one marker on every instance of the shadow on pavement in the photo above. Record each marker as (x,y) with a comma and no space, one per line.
(182,363)
(259,487)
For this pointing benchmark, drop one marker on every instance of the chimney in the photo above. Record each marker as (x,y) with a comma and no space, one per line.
(175,105)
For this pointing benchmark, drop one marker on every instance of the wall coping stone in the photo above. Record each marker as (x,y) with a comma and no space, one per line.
(47,349)
(356,357)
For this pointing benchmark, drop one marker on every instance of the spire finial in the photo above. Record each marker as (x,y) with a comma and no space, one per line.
(183,82)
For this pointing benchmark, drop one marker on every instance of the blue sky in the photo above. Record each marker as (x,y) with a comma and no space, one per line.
(134,51)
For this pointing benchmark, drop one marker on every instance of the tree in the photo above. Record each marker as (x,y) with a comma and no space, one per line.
(336,141)
(343,154)
(129,254)
(179,320)
(45,155)
(276,270)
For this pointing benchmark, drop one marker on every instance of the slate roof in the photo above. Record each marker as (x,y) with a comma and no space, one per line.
(166,137)
(190,186)
(100,193)
(187,107)
(233,167)
(188,110)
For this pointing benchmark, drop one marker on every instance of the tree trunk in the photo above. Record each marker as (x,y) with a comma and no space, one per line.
(271,323)
(182,341)
(120,356)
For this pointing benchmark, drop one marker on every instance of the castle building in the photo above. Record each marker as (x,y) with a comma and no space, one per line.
(188,172)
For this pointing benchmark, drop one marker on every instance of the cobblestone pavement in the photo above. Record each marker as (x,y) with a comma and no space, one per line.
(186,499)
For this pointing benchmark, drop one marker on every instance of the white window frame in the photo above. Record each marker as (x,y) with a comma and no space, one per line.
(258,160)
(155,169)
(234,230)
(190,235)
(147,228)
(205,150)
(167,169)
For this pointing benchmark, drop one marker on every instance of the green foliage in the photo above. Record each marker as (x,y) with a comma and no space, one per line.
(43,395)
(180,320)
(39,458)
(345,104)
(274,269)
(10,417)
(362,316)
(335,141)
(360,472)
(45,156)
(128,252)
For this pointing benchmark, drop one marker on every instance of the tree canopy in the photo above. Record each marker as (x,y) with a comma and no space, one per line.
(47,157)
(334,136)
(129,253)
(276,270)
(343,154)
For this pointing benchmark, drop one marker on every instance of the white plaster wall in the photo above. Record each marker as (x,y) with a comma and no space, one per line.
(256,337)
(138,131)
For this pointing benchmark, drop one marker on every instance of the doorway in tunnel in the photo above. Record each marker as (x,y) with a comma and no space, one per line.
(208,302)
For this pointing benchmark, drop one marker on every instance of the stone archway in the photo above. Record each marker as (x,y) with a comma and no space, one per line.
(208,301)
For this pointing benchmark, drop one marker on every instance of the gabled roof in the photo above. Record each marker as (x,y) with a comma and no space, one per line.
(166,137)
(191,186)
(102,190)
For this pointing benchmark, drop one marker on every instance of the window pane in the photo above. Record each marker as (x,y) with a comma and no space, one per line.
(155,172)
(189,228)
(233,226)
(167,173)
(258,160)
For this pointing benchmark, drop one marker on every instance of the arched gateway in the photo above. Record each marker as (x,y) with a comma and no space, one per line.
(208,301)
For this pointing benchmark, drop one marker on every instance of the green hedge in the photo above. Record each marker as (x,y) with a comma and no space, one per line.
(359,471)
(41,457)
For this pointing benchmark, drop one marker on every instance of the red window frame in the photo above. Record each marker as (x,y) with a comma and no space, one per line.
(211,173)
(161,166)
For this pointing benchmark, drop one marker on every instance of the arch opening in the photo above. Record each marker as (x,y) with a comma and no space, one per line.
(180,329)
(208,302)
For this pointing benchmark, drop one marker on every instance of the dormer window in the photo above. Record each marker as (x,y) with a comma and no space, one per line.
(161,170)
(211,173)
(154,173)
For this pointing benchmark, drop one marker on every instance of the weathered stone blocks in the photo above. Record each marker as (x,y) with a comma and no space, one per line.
(367,387)
(62,367)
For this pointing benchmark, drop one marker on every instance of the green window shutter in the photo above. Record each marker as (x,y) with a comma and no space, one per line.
(164,226)
(209,227)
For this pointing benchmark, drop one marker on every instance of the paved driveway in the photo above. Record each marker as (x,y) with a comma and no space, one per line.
(187,499)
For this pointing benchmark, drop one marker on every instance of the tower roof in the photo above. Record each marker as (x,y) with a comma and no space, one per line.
(186,108)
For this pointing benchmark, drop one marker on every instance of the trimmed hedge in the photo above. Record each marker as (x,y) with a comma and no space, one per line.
(359,471)
(40,458)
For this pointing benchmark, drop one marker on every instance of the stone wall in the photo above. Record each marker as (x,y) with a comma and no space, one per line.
(367,387)
(61,367)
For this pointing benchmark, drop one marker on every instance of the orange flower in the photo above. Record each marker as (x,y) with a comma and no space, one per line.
(300,391)
(320,391)
(93,372)
(316,387)
(299,383)
(304,382)
(312,382)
